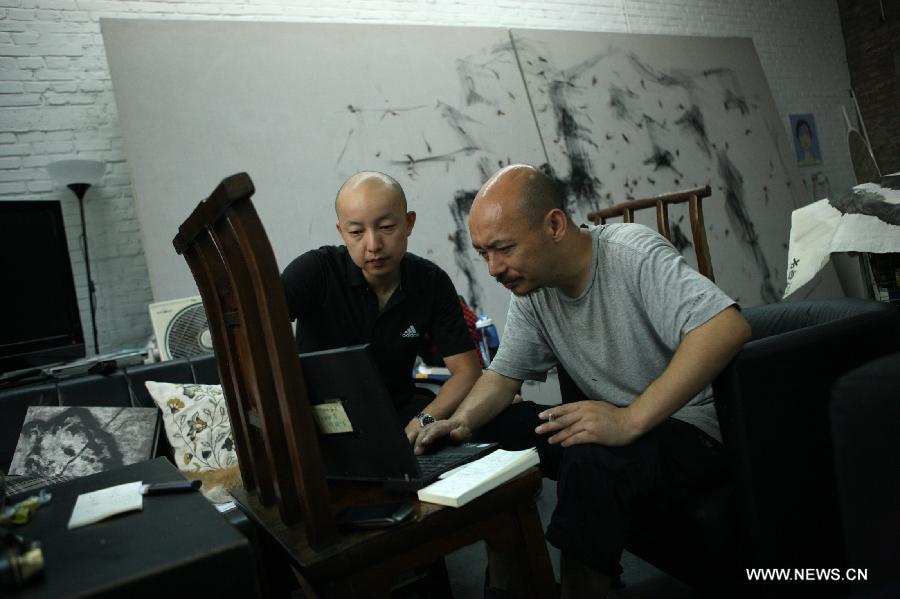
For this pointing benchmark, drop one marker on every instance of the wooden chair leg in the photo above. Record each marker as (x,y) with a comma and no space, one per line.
(439,580)
(518,540)
(535,558)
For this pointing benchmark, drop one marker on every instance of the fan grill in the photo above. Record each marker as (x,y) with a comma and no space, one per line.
(183,335)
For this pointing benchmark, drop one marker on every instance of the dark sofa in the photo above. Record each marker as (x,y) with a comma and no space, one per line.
(120,388)
(779,504)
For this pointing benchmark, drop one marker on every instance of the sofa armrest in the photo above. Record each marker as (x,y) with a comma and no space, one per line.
(865,418)
(772,402)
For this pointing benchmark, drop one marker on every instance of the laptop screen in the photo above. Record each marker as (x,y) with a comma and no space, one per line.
(361,436)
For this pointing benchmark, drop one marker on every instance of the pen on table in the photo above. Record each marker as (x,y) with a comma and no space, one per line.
(173,487)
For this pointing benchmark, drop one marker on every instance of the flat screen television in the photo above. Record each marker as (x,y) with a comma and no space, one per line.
(39,318)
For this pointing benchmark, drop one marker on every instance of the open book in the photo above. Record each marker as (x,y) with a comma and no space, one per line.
(463,484)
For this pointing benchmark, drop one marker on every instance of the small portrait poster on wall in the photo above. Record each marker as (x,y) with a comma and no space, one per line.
(806,139)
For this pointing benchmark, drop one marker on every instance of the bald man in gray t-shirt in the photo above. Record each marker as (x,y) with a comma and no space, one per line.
(621,332)
(642,335)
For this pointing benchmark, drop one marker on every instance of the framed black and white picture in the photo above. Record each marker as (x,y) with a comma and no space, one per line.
(77,441)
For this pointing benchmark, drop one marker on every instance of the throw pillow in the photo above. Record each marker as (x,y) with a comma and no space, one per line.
(197,425)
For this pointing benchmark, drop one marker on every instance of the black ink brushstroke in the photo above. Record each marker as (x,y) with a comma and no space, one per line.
(468,81)
(660,158)
(581,187)
(869,203)
(673,79)
(344,149)
(732,100)
(679,239)
(619,99)
(734,97)
(740,220)
(456,119)
(392,111)
(459,209)
(410,161)
(693,123)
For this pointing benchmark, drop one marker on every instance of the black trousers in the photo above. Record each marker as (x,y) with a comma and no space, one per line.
(602,490)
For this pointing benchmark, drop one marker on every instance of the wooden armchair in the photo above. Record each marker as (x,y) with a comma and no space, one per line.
(285,491)
(694,541)
(692,196)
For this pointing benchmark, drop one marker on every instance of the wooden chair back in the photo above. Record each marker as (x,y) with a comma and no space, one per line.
(285,492)
(695,209)
(231,259)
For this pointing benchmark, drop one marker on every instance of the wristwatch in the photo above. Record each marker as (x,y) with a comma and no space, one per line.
(424,419)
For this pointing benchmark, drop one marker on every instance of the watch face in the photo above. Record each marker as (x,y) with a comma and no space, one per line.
(425,419)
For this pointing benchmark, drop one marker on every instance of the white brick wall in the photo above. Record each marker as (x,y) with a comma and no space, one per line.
(56,97)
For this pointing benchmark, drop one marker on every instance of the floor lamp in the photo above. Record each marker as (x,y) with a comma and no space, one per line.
(79,175)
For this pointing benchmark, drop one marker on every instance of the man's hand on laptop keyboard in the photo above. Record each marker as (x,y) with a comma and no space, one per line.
(412,430)
(440,433)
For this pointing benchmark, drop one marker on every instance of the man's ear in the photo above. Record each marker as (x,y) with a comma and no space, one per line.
(338,227)
(410,222)
(556,224)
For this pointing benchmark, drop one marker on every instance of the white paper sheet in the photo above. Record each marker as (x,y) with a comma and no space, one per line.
(820,229)
(99,505)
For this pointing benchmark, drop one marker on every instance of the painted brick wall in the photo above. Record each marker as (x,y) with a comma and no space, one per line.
(56,97)
(873,56)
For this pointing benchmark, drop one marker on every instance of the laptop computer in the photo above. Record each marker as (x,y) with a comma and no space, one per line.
(360,434)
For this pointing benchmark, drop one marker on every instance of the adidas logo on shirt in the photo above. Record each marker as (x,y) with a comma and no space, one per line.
(410,333)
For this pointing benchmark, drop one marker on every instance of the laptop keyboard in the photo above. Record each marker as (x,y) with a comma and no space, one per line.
(433,464)
(436,463)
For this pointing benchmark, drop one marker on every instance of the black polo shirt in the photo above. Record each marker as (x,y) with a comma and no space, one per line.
(329,297)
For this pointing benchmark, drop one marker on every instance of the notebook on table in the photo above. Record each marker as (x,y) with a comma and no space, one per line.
(360,434)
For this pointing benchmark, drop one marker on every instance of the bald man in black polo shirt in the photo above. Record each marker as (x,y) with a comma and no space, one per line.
(371,290)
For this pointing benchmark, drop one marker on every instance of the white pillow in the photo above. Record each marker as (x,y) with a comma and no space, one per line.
(197,425)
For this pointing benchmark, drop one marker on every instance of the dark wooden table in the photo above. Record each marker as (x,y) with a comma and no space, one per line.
(178,544)
(367,563)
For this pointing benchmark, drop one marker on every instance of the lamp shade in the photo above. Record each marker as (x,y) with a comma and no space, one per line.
(68,172)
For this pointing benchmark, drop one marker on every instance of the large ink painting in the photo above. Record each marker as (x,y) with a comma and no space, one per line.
(77,441)
(609,116)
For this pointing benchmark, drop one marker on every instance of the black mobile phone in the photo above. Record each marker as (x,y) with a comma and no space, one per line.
(380,515)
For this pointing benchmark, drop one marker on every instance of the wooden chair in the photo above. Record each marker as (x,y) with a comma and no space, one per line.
(693,541)
(285,491)
(692,196)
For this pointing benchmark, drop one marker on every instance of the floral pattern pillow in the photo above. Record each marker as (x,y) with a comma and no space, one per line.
(197,425)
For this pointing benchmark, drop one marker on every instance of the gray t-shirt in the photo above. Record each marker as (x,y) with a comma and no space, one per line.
(620,334)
